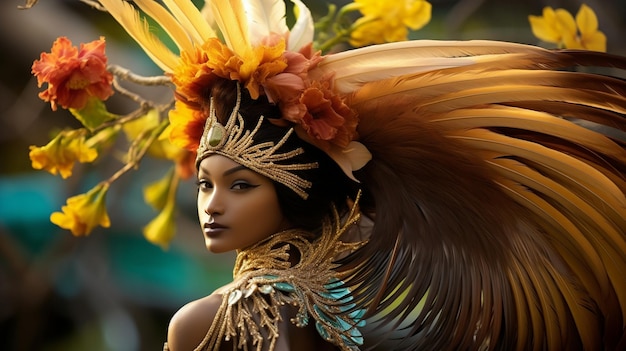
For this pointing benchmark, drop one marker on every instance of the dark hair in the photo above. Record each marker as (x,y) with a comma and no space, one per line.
(330,186)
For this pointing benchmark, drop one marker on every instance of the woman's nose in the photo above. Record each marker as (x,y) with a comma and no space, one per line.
(214,203)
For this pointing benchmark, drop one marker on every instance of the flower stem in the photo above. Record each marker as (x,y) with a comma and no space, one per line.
(126,74)
(136,156)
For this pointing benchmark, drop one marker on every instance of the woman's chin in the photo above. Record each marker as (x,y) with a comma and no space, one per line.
(214,246)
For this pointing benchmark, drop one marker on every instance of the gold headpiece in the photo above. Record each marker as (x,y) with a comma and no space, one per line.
(236,143)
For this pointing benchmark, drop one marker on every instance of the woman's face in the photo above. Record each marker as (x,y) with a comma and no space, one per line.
(237,207)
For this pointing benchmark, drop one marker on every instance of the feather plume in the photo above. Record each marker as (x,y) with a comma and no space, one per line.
(302,31)
(230,17)
(439,89)
(264,18)
(353,68)
(504,198)
(537,121)
(191,19)
(138,29)
(167,22)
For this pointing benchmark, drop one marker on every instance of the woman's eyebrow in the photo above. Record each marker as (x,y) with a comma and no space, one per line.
(234,170)
(227,172)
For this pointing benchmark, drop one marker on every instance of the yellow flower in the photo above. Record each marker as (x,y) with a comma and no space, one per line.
(84,212)
(61,153)
(559,27)
(162,228)
(387,21)
(157,193)
(162,196)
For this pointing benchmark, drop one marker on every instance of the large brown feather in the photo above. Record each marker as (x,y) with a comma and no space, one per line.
(501,207)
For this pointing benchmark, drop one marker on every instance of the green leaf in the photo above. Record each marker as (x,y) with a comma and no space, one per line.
(93,114)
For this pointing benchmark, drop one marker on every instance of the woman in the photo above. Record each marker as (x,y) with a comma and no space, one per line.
(240,209)
(493,173)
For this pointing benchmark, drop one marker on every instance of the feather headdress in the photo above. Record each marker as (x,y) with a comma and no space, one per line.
(497,171)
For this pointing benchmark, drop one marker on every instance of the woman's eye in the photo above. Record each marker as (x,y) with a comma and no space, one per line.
(203,184)
(242,186)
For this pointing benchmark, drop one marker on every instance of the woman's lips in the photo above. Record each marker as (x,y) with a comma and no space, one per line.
(213,229)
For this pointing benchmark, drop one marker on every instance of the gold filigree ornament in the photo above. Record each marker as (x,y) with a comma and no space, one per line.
(265,280)
(238,144)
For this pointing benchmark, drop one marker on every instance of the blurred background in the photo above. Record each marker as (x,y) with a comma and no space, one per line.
(113,290)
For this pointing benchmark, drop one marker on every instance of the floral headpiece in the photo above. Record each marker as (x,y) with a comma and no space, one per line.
(258,51)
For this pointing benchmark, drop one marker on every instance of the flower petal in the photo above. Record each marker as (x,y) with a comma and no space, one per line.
(586,20)
(303,30)
(544,30)
(419,15)
(565,22)
(595,41)
(84,212)
(162,228)
(350,159)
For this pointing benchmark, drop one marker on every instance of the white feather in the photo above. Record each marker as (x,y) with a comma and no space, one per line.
(265,17)
(303,30)
(353,68)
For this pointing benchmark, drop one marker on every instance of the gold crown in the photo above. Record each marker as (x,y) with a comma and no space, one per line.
(236,143)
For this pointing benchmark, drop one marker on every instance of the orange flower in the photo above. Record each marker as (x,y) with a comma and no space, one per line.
(327,117)
(61,153)
(84,212)
(186,126)
(192,77)
(197,72)
(73,75)
(286,87)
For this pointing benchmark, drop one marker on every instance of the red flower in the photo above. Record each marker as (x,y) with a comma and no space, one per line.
(73,75)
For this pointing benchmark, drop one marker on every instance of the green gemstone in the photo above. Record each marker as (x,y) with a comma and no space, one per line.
(216,134)
(284,287)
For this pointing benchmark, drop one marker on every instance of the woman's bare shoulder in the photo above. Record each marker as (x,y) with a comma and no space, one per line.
(190,324)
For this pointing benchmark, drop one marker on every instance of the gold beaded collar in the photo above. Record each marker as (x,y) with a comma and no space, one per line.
(265,279)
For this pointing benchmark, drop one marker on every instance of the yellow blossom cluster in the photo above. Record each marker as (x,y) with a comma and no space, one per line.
(388,21)
(60,154)
(62,70)
(84,212)
(561,28)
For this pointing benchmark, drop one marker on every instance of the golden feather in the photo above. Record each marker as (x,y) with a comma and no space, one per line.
(354,68)
(515,184)
(165,19)
(191,19)
(138,29)
(231,18)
